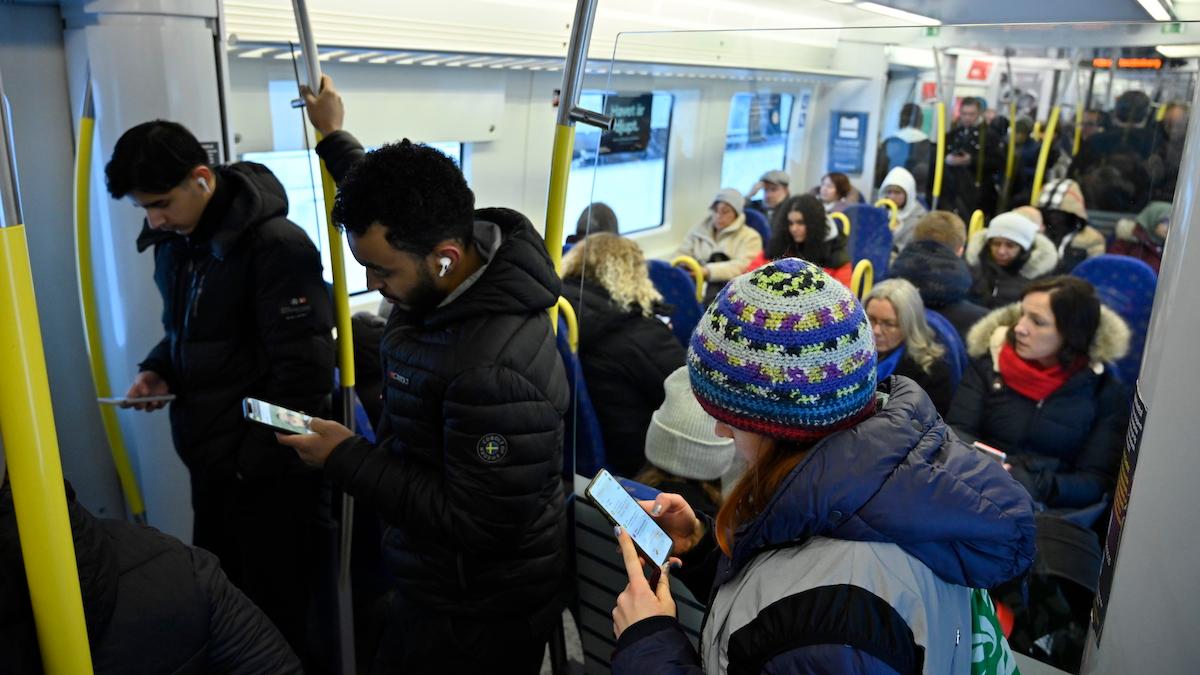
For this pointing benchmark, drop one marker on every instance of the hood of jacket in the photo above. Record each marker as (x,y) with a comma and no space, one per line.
(99,569)
(598,314)
(519,279)
(1043,258)
(903,178)
(1087,239)
(1110,343)
(902,476)
(256,196)
(941,276)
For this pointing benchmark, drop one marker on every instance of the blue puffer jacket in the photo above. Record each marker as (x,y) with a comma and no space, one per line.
(862,560)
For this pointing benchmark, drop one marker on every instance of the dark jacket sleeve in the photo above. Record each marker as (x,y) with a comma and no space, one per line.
(481,505)
(159,360)
(1094,471)
(655,645)
(341,152)
(967,409)
(295,320)
(242,640)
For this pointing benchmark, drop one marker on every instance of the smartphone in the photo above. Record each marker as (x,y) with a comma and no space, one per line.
(622,509)
(276,417)
(991,452)
(120,400)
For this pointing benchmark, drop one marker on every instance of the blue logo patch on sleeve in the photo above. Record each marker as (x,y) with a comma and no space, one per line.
(492,448)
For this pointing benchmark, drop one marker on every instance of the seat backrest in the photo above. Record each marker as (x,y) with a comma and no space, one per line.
(757,221)
(1126,286)
(583,444)
(956,351)
(678,290)
(870,237)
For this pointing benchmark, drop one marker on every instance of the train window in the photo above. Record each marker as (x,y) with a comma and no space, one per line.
(627,167)
(756,138)
(299,172)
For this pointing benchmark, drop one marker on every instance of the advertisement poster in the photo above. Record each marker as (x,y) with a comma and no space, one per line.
(631,123)
(847,142)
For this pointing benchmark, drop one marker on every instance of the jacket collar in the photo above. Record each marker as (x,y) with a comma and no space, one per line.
(1043,257)
(1110,344)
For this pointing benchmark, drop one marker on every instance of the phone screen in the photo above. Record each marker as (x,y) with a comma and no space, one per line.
(623,509)
(279,417)
(991,452)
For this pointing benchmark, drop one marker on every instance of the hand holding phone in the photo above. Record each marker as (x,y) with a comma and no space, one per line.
(148,392)
(624,511)
(276,417)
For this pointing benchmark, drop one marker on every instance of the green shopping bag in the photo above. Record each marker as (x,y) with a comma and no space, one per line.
(990,653)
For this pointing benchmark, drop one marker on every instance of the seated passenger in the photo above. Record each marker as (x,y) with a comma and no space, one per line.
(834,192)
(1143,237)
(1006,257)
(841,550)
(802,230)
(722,243)
(152,604)
(1039,390)
(625,351)
(900,187)
(906,344)
(933,263)
(1065,215)
(595,218)
(774,186)
(683,455)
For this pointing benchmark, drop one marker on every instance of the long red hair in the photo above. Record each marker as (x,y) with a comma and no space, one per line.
(749,497)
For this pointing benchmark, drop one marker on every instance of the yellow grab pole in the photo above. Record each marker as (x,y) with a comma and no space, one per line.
(1011,162)
(842,218)
(894,217)
(697,271)
(91,318)
(940,167)
(560,170)
(1037,130)
(35,469)
(341,295)
(863,279)
(1078,141)
(977,219)
(1044,155)
(572,321)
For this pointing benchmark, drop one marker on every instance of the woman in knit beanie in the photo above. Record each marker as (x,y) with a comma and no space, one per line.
(860,519)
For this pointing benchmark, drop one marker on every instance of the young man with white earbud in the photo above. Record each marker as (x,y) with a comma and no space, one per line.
(467,470)
(245,314)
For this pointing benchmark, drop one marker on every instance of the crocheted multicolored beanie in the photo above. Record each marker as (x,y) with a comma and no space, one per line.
(785,351)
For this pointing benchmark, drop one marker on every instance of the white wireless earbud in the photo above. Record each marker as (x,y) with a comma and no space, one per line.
(203,184)
(445,263)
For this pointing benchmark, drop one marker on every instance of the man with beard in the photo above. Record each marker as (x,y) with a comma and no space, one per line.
(467,472)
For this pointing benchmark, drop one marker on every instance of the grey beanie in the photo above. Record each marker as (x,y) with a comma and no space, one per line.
(681,439)
(733,198)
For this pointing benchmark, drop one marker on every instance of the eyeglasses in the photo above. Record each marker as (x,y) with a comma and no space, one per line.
(885,325)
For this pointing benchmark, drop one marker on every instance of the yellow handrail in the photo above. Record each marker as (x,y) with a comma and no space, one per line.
(697,271)
(556,205)
(341,296)
(863,279)
(1010,163)
(843,219)
(568,315)
(1078,129)
(894,219)
(34,467)
(1044,155)
(940,168)
(1037,130)
(977,219)
(91,318)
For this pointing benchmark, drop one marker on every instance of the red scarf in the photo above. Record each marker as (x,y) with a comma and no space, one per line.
(1031,380)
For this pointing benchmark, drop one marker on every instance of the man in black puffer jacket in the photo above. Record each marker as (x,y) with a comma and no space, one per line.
(245,314)
(467,471)
(152,605)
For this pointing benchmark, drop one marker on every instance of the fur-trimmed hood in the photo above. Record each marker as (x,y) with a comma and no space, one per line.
(1043,258)
(1088,239)
(1110,343)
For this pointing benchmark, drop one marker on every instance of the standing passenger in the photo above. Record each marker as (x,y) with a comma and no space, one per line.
(467,472)
(245,314)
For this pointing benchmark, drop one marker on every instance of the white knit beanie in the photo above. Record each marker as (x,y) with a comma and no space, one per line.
(681,439)
(1014,227)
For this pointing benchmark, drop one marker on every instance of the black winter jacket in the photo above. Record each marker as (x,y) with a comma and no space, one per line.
(625,356)
(943,279)
(246,313)
(1064,449)
(152,605)
(936,383)
(468,468)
